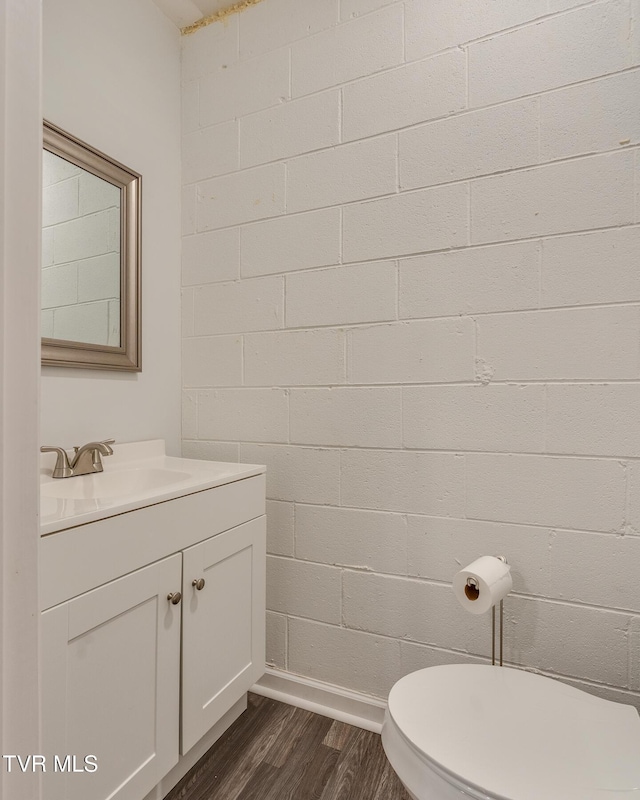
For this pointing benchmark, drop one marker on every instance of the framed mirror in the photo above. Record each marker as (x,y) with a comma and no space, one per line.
(90,294)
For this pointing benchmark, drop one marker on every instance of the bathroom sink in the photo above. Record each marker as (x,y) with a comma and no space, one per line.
(138,474)
(120,483)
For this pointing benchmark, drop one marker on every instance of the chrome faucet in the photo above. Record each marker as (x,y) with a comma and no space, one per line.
(86,460)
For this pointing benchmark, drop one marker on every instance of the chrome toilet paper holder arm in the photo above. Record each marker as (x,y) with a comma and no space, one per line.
(493,626)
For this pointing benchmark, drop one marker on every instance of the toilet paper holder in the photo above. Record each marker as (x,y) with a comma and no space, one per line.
(480,587)
(470,589)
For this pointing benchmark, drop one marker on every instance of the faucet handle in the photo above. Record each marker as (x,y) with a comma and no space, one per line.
(101,445)
(62,468)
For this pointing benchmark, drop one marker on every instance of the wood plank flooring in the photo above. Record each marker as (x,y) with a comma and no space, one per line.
(278,752)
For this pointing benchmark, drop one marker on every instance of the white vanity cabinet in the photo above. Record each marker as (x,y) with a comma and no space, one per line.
(128,676)
(111,686)
(223,628)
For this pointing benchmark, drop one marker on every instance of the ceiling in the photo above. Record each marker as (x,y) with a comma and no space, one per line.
(186,12)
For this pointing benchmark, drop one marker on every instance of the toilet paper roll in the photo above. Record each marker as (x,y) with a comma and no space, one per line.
(482,584)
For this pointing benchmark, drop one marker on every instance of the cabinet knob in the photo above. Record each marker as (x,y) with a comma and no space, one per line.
(174,597)
(198,583)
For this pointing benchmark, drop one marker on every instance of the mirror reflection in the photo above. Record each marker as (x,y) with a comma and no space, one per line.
(80,254)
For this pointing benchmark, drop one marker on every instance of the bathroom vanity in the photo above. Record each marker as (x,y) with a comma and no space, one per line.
(152,590)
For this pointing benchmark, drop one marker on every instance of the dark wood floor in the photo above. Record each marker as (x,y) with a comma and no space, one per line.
(278,752)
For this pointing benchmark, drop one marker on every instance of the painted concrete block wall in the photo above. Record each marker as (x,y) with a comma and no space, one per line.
(410,287)
(111,77)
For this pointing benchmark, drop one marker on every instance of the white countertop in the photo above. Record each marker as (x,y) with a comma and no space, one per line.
(138,474)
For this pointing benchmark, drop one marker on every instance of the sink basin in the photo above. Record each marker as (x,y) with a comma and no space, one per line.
(138,474)
(121,483)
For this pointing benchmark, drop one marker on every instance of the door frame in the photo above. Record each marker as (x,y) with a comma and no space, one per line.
(20,234)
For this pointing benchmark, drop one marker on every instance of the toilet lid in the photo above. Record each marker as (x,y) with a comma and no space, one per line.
(513,735)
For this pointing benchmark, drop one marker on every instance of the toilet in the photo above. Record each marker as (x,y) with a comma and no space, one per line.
(495,733)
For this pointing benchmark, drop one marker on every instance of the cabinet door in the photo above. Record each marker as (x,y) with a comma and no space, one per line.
(223,625)
(111,681)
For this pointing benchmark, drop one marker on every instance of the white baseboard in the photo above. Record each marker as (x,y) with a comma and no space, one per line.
(332,701)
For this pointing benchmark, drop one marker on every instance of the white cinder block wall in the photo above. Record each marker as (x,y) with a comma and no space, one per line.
(411,287)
